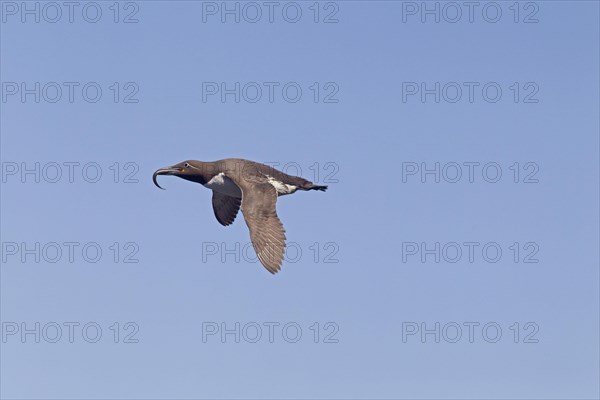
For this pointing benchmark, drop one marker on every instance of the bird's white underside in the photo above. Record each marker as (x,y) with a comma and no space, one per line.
(282,188)
(223,184)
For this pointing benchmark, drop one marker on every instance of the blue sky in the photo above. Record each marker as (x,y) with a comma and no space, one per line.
(364,274)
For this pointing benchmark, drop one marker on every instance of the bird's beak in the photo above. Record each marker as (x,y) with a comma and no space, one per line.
(165,171)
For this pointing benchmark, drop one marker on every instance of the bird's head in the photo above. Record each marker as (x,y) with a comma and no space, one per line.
(189,170)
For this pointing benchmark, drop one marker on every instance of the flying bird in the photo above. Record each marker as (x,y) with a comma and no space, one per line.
(251,186)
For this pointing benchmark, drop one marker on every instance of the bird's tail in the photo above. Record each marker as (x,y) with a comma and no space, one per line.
(312,186)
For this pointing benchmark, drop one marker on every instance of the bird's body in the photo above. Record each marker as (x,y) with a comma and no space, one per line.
(251,186)
(221,181)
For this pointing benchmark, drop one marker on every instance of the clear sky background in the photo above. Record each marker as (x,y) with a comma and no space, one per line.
(366,221)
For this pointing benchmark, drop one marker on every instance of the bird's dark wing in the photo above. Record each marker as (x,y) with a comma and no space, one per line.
(225,207)
(266,230)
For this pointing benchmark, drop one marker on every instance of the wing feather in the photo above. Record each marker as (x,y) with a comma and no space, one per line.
(259,199)
(225,207)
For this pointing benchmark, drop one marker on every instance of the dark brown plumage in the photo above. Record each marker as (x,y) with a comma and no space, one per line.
(253,187)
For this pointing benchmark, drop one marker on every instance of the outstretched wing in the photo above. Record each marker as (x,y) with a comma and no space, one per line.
(266,230)
(225,207)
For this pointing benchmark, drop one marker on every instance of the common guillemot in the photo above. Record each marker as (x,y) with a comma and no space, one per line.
(252,186)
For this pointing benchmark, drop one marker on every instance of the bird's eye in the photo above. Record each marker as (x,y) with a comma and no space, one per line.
(186,165)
